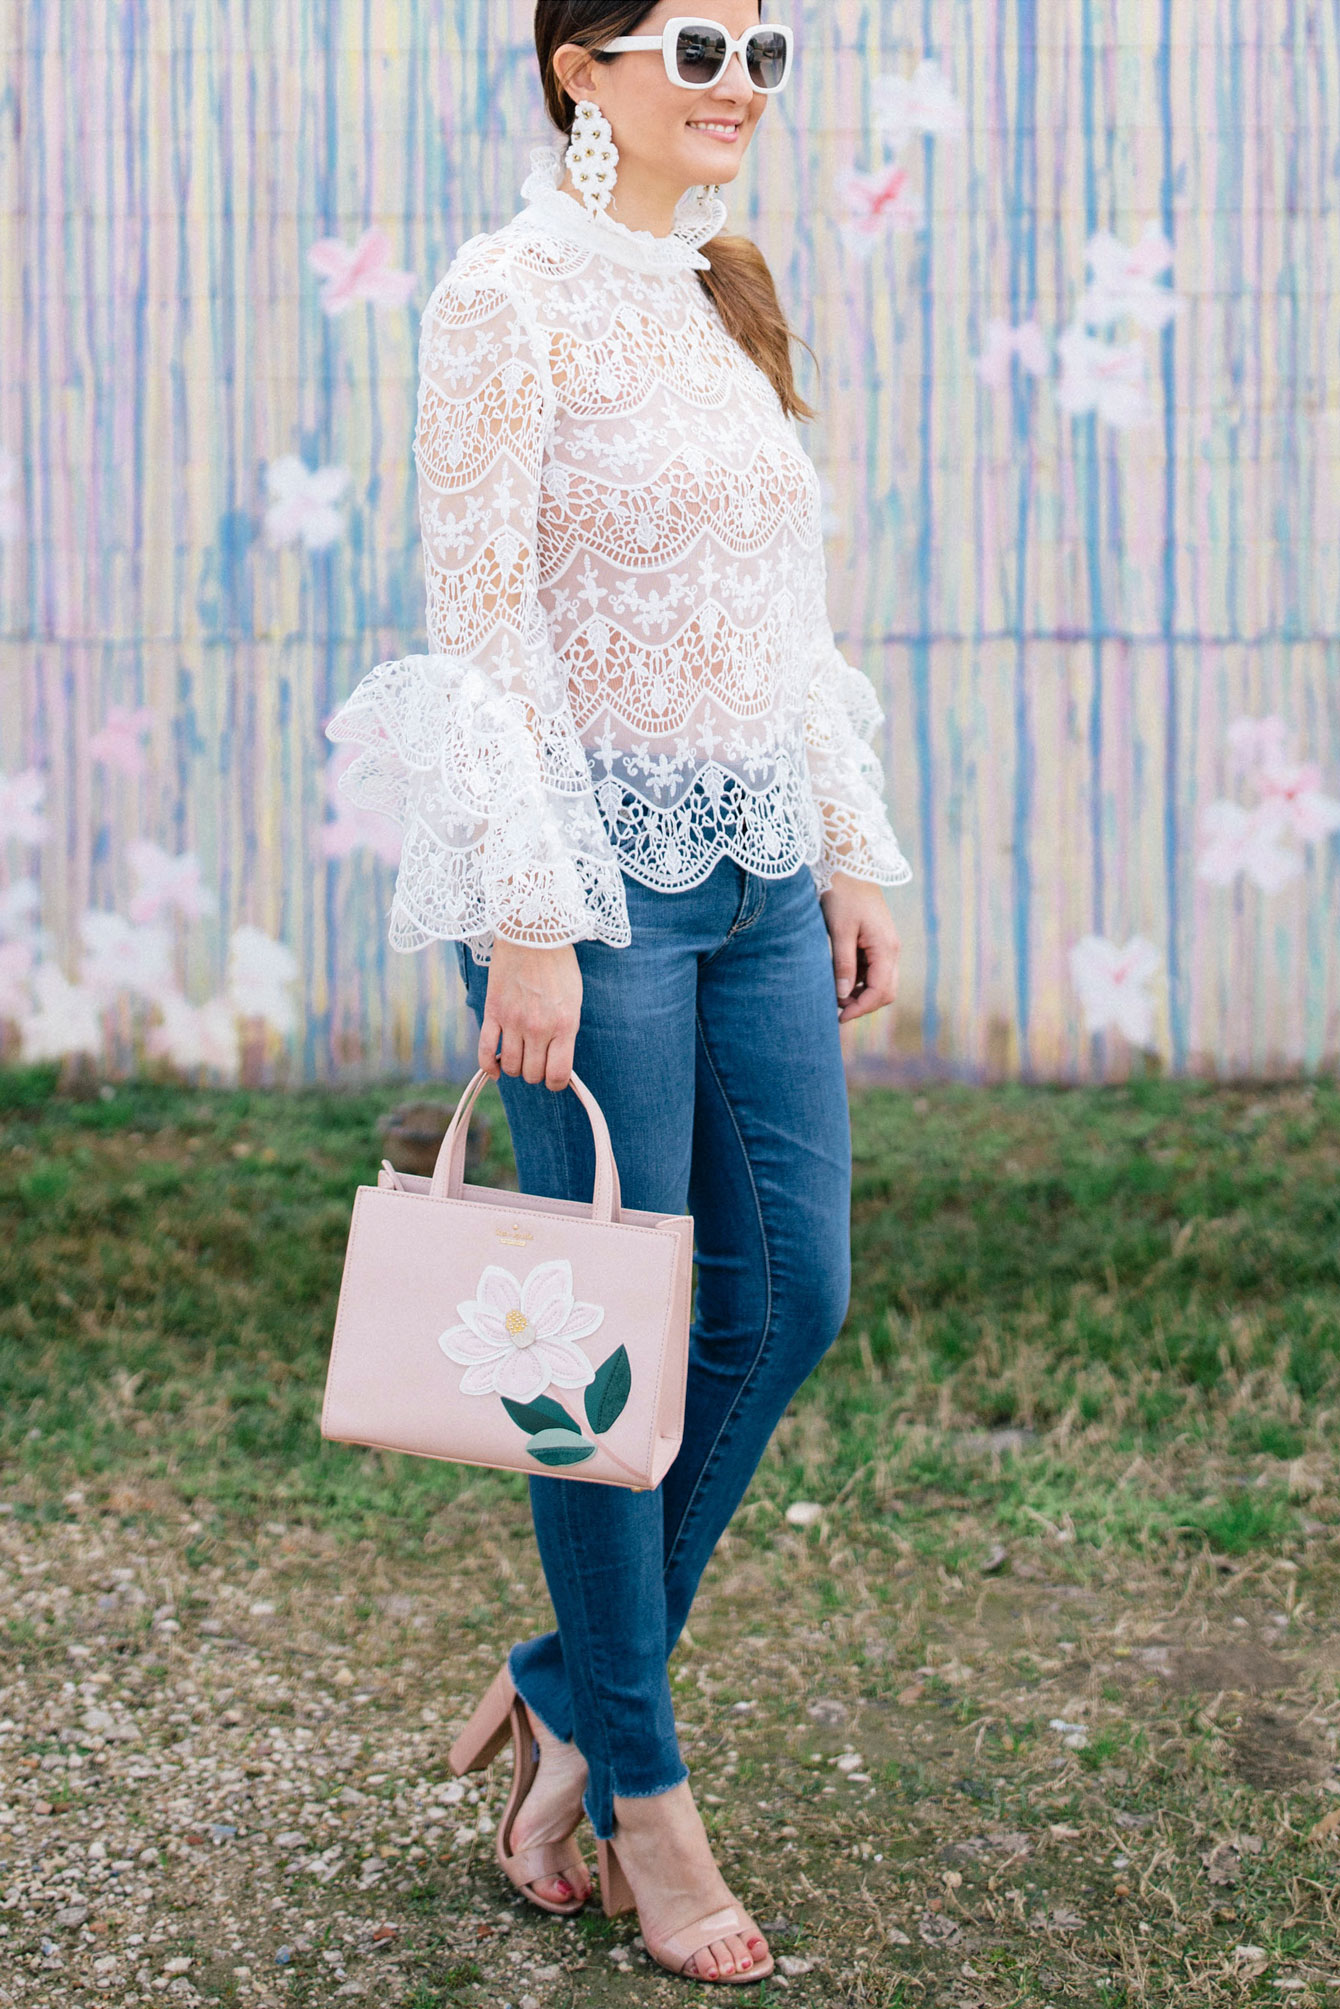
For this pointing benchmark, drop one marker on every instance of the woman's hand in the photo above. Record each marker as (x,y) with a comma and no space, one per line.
(532,1010)
(865,944)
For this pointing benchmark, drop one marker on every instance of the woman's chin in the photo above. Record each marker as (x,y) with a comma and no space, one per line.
(714,162)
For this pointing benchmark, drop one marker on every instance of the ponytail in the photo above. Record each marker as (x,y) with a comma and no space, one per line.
(742,287)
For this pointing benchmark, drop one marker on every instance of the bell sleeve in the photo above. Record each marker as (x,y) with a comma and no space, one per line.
(473,748)
(842,715)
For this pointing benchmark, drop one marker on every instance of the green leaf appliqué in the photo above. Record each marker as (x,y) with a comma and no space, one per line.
(609,1392)
(542,1414)
(560,1447)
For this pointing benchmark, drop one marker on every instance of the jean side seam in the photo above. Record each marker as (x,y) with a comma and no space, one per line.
(577,1583)
(766,1333)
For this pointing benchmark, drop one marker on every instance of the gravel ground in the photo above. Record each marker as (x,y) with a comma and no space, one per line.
(223,1778)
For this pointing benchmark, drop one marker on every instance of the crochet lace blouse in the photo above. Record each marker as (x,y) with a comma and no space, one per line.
(632,667)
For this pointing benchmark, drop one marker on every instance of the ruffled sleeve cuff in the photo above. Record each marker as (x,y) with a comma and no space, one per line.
(502,832)
(842,715)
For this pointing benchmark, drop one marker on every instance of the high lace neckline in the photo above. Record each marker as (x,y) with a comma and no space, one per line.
(698,217)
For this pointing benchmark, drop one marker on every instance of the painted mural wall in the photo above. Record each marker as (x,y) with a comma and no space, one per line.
(1073,277)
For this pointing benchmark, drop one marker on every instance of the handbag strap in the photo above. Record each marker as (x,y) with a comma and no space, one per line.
(448,1181)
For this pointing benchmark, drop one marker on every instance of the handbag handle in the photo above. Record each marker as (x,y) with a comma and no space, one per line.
(448,1182)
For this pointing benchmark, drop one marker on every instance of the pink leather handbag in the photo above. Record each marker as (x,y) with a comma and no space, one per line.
(496,1328)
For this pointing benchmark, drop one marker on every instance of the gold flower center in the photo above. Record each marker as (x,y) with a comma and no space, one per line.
(519,1329)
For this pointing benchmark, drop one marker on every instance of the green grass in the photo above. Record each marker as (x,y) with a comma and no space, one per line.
(1111,1315)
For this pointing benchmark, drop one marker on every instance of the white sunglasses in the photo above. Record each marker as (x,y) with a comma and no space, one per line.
(697,52)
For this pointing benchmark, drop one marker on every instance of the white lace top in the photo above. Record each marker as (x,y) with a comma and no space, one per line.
(632,669)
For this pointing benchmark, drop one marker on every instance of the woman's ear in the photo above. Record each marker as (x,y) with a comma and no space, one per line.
(576,70)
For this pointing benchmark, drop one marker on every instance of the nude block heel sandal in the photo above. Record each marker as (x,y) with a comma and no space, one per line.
(502,1714)
(675,1952)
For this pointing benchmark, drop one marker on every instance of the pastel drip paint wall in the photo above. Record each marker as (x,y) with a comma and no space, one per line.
(1075,291)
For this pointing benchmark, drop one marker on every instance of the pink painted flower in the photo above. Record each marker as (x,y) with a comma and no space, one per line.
(1103,377)
(118,956)
(1262,842)
(16,968)
(1125,281)
(1292,800)
(11,514)
(1113,985)
(260,973)
(164,884)
(21,797)
(195,1036)
(878,202)
(119,743)
(352,827)
(68,1018)
(518,1338)
(360,272)
(921,103)
(1003,343)
(1237,841)
(302,502)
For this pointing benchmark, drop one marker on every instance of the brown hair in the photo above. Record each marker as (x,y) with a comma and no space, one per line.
(739,282)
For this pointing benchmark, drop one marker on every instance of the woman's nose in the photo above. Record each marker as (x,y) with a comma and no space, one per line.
(734,82)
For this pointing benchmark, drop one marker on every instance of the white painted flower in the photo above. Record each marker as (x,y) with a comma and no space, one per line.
(260,973)
(118,956)
(21,797)
(193,1036)
(302,502)
(1002,343)
(1125,280)
(18,910)
(1103,377)
(164,883)
(1242,841)
(16,963)
(518,1338)
(921,103)
(68,1018)
(11,515)
(1113,985)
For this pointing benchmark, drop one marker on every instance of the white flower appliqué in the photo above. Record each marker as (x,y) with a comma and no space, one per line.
(518,1338)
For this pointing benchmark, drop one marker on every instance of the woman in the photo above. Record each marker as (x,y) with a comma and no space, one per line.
(638,797)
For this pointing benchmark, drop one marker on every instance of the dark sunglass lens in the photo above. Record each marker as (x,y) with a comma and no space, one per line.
(767,59)
(701,55)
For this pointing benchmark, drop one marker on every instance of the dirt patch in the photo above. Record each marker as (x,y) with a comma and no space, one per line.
(1272,1752)
(1238,1670)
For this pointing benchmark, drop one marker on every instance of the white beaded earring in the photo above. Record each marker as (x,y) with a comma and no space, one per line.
(592,158)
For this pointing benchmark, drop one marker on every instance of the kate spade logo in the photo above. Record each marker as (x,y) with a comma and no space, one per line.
(514,1235)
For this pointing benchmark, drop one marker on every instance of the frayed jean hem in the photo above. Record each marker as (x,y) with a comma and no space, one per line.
(601,1816)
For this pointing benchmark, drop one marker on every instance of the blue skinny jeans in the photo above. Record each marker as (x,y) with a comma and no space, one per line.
(711,1044)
